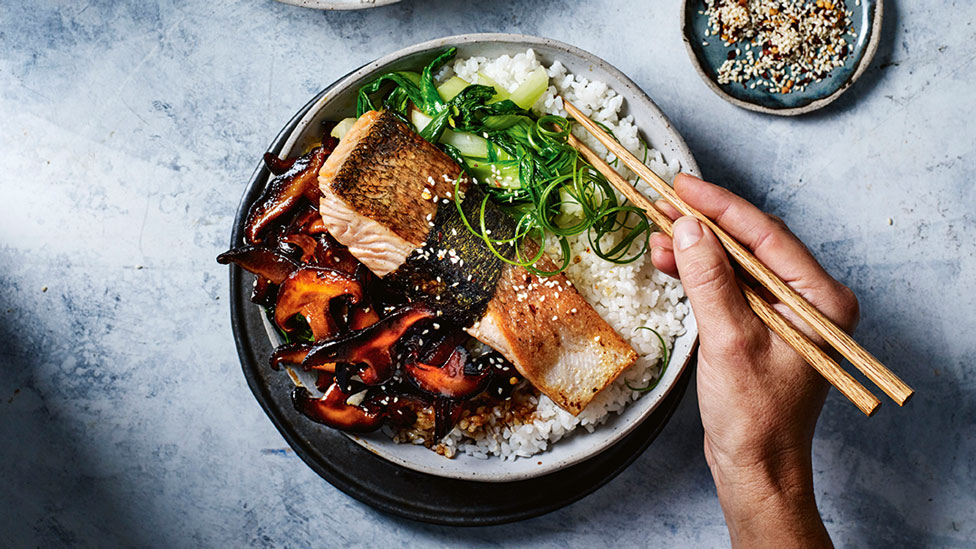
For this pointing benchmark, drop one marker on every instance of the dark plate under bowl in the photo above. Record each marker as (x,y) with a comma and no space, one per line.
(385,485)
(866,20)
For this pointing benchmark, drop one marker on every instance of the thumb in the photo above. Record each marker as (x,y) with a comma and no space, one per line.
(720,308)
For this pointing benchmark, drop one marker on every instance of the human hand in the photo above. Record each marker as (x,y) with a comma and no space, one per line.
(759,400)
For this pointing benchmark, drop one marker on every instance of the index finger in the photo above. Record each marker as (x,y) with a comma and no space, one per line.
(769,240)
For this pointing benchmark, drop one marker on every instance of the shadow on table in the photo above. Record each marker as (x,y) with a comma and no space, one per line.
(902,465)
(54,492)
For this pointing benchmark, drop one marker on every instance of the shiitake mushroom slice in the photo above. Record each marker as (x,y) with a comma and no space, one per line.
(309,291)
(333,410)
(451,380)
(370,348)
(306,244)
(447,412)
(266,263)
(290,353)
(285,192)
(278,166)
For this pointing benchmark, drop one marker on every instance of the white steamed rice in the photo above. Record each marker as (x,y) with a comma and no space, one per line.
(626,296)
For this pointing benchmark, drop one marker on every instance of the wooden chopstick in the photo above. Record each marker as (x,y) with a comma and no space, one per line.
(815,356)
(884,378)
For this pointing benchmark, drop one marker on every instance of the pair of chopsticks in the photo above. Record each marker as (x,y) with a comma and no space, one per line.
(887,381)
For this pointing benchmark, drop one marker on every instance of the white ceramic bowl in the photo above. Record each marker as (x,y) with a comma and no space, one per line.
(657,129)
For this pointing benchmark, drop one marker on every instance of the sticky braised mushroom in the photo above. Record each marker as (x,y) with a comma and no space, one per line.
(309,291)
(368,347)
(286,191)
(291,353)
(447,373)
(439,372)
(266,263)
(456,378)
(307,244)
(278,166)
(334,410)
(319,249)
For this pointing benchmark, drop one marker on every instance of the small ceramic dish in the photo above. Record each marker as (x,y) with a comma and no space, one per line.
(339,4)
(709,53)
(339,101)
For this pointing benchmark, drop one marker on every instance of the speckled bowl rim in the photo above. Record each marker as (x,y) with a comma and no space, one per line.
(337,6)
(862,65)
(423,460)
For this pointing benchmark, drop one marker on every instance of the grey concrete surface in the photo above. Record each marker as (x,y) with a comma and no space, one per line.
(128,129)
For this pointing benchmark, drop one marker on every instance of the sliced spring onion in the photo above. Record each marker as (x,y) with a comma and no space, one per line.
(570,210)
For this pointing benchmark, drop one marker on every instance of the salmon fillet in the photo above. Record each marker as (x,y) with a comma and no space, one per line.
(387,195)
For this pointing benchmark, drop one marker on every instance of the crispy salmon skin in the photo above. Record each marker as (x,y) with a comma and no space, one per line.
(387,195)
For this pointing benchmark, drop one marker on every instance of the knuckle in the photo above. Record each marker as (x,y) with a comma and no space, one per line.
(774,237)
(770,240)
(848,307)
(738,344)
(707,276)
(781,228)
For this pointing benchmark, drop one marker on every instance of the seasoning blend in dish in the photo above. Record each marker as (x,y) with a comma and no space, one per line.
(780,45)
(784,57)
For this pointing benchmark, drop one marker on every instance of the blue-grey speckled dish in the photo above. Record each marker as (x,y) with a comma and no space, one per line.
(707,59)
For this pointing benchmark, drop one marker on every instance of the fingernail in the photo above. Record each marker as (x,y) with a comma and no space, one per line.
(687,231)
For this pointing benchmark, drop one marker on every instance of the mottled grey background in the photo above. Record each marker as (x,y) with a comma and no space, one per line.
(128,130)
